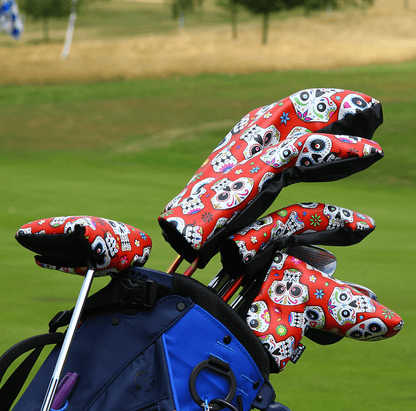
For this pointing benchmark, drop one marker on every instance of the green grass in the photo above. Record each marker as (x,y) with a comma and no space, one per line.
(65,151)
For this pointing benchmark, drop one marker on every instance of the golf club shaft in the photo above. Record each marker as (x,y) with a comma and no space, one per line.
(69,336)
(175,264)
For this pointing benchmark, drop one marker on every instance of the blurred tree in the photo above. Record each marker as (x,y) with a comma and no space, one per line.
(181,7)
(267,7)
(231,6)
(45,10)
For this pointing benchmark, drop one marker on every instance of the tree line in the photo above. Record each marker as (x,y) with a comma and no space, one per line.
(45,10)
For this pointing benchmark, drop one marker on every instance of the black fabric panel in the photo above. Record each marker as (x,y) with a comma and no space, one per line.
(322,337)
(61,250)
(361,124)
(206,299)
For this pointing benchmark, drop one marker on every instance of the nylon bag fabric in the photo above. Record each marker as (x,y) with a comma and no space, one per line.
(144,361)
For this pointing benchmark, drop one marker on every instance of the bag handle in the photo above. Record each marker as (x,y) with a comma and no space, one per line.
(11,388)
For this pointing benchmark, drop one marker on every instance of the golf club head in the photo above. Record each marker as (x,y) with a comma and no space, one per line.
(319,258)
(74,243)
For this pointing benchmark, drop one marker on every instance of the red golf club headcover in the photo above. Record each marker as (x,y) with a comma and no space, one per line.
(294,296)
(215,205)
(73,243)
(327,110)
(250,250)
(196,232)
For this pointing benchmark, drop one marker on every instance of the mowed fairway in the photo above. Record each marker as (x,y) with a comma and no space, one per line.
(123,149)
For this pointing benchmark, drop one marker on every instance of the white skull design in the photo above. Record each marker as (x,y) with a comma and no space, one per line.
(292,225)
(57,221)
(278,261)
(280,154)
(289,291)
(343,305)
(231,193)
(352,104)
(121,230)
(337,216)
(247,255)
(192,233)
(224,161)
(258,316)
(296,319)
(258,138)
(315,150)
(192,204)
(315,317)
(314,104)
(99,247)
(372,329)
(83,222)
(279,350)
(140,260)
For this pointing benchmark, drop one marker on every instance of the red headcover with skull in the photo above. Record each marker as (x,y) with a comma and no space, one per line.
(268,149)
(73,243)
(295,296)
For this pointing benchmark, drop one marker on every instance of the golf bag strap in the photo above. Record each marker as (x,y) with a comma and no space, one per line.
(127,293)
(11,388)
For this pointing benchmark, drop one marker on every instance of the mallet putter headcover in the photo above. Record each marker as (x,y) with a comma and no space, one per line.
(71,243)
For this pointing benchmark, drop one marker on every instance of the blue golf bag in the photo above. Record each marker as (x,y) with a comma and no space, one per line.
(148,341)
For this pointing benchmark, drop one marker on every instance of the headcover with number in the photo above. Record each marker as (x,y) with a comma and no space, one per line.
(73,243)
(295,297)
(270,148)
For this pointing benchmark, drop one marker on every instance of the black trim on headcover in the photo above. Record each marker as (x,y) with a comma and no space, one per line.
(361,124)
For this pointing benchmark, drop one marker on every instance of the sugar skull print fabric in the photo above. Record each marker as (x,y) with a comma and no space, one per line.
(68,243)
(306,111)
(295,296)
(212,201)
(308,223)
(264,143)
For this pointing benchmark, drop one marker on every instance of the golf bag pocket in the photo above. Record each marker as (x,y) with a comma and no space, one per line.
(175,355)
